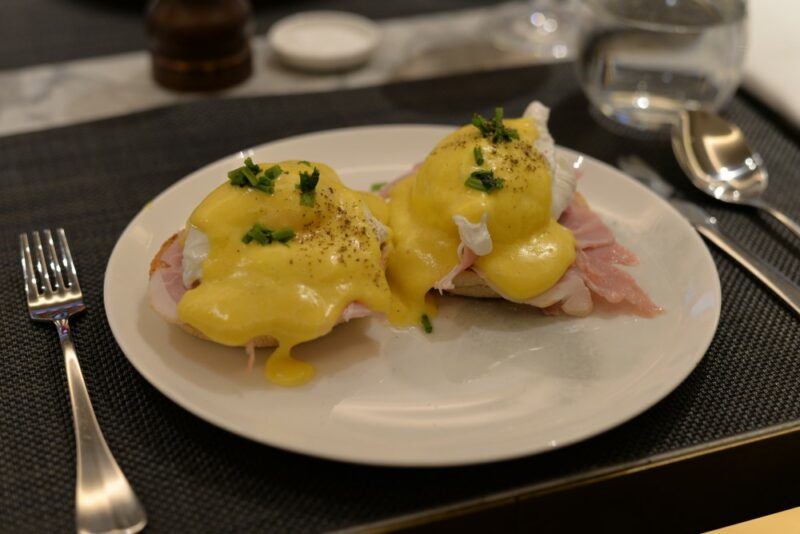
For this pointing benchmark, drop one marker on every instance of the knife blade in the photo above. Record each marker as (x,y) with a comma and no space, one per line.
(706,226)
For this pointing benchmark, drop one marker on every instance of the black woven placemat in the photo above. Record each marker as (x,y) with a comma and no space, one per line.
(192,477)
(46,31)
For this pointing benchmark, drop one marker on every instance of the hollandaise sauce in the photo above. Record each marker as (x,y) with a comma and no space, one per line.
(289,250)
(470,173)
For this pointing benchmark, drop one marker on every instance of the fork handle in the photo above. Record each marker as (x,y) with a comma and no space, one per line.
(104,500)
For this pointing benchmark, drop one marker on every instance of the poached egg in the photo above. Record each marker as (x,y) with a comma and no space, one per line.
(510,224)
(292,289)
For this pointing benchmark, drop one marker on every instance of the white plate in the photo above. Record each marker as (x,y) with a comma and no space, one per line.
(494,381)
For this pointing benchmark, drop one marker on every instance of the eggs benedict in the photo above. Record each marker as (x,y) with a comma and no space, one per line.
(276,256)
(491,213)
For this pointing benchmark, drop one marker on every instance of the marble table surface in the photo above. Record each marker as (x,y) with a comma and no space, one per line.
(58,94)
(415,47)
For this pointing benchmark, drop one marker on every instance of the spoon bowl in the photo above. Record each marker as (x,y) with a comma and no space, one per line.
(715,156)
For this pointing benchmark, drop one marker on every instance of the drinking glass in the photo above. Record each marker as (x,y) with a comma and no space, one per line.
(545,29)
(640,61)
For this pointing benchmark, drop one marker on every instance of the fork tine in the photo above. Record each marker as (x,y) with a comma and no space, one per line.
(41,264)
(31,289)
(52,259)
(69,265)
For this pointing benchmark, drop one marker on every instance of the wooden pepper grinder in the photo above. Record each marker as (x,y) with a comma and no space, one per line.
(200,45)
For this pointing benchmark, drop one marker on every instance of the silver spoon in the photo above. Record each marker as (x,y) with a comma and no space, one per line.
(714,154)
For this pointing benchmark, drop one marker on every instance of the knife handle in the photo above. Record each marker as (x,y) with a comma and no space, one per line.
(772,278)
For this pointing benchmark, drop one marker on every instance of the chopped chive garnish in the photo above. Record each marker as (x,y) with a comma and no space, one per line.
(273,172)
(283,235)
(265,186)
(307,185)
(478,155)
(484,180)
(250,175)
(255,169)
(377,186)
(474,183)
(237,178)
(265,236)
(308,182)
(494,129)
(426,323)
(259,234)
(306,163)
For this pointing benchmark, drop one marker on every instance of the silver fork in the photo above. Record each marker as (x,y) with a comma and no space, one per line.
(104,500)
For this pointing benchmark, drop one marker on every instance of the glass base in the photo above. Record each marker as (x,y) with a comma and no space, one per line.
(623,126)
(641,111)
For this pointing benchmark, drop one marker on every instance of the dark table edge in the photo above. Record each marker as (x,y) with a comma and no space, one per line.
(507,499)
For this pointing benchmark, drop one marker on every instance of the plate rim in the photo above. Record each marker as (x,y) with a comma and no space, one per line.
(220,422)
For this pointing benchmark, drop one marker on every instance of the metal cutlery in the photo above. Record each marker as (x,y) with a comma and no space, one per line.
(715,156)
(104,500)
(706,225)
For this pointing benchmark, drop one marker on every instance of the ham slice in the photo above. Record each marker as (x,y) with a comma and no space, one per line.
(594,272)
(613,284)
(569,295)
(597,255)
(591,233)
(588,229)
(614,253)
(166,279)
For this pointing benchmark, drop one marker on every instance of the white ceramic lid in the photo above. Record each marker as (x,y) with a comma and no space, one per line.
(324,40)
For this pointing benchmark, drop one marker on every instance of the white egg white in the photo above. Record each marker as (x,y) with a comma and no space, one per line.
(195,252)
(564,179)
(474,235)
